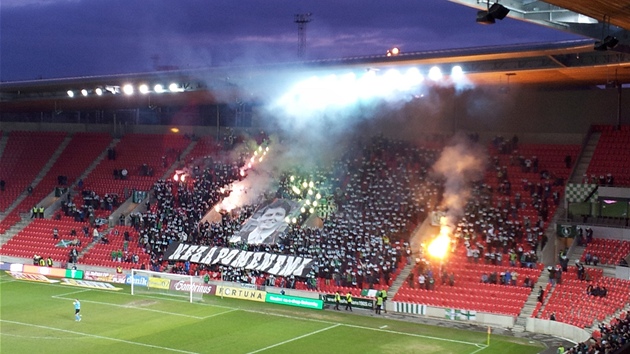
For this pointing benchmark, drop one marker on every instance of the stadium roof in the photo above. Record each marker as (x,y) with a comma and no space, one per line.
(569,64)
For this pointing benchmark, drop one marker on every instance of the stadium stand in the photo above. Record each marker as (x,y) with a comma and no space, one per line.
(611,157)
(609,252)
(23,159)
(144,158)
(37,238)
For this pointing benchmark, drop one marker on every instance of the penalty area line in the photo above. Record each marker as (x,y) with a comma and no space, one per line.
(294,339)
(98,337)
(133,308)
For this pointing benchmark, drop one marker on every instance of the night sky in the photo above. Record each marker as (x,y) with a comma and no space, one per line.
(69,38)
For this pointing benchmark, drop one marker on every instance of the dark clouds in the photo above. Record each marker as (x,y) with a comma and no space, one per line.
(61,38)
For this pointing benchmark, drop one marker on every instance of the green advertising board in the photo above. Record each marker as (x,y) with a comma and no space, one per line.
(359,302)
(74,274)
(294,301)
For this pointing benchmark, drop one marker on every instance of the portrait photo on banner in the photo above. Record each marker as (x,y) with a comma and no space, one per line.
(267,223)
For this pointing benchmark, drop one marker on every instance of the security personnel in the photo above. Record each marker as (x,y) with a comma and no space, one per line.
(42,262)
(379,304)
(384,296)
(349,301)
(337,300)
(49,262)
(41,212)
(34,212)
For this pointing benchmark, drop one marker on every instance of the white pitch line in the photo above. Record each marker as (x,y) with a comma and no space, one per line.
(133,307)
(412,334)
(481,347)
(99,337)
(294,339)
(70,293)
(219,314)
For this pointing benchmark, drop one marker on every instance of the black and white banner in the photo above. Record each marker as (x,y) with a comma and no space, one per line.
(277,264)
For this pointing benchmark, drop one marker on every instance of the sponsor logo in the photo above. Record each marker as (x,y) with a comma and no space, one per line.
(196,287)
(120,279)
(294,301)
(137,280)
(356,302)
(98,276)
(89,284)
(31,277)
(240,293)
(159,283)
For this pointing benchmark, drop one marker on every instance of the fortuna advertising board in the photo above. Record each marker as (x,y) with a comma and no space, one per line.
(240,293)
(276,264)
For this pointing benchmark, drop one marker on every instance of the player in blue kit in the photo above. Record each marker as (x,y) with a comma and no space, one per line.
(77,309)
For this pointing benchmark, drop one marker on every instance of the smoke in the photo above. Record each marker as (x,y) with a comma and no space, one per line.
(460,163)
(318,114)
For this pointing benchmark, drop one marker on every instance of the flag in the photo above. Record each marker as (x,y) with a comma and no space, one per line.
(569,231)
(468,315)
(64,243)
(451,314)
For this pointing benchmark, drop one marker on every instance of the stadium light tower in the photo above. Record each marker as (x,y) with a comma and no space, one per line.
(302,20)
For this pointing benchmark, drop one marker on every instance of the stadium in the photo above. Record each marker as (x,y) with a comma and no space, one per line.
(469,200)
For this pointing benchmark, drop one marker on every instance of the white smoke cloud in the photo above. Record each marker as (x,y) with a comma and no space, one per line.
(460,163)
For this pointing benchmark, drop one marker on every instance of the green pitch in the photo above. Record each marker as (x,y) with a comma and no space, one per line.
(39,318)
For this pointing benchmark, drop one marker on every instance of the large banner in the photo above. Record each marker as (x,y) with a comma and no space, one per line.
(276,264)
(267,223)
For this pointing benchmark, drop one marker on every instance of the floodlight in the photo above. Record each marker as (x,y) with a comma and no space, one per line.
(173,87)
(144,89)
(84,92)
(498,11)
(609,42)
(128,89)
(484,18)
(99,91)
(435,74)
(70,93)
(457,72)
(158,88)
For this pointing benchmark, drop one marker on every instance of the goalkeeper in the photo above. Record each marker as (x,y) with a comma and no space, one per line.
(77,309)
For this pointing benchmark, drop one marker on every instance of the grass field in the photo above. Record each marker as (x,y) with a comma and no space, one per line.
(39,318)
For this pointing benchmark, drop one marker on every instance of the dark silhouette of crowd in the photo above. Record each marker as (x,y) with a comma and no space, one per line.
(612,338)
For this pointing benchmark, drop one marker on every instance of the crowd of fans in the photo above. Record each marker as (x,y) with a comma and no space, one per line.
(379,195)
(610,338)
(379,192)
